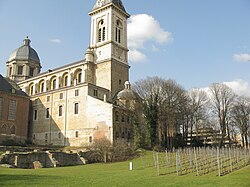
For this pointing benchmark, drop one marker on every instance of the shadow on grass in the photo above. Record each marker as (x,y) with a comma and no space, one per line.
(25,180)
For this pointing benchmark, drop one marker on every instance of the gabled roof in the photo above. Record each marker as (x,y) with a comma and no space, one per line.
(6,87)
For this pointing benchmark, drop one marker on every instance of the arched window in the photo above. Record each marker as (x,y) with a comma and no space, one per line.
(118,31)
(31,89)
(4,129)
(60,110)
(65,81)
(42,87)
(79,78)
(101,31)
(53,84)
(76,109)
(76,134)
(13,130)
(59,135)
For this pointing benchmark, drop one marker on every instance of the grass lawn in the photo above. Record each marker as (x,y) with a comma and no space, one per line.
(116,174)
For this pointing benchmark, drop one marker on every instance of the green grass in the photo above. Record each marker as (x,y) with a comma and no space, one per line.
(116,174)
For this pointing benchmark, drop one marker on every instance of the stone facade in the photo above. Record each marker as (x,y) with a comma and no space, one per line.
(75,104)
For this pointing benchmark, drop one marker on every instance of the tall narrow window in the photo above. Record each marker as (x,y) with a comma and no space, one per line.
(79,78)
(101,31)
(47,113)
(60,110)
(31,90)
(53,84)
(65,81)
(95,93)
(10,72)
(90,139)
(76,110)
(20,70)
(76,92)
(99,35)
(35,115)
(42,87)
(31,72)
(48,98)
(1,107)
(12,110)
(118,31)
(76,134)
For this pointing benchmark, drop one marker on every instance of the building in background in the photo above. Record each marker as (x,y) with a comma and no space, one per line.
(14,114)
(77,103)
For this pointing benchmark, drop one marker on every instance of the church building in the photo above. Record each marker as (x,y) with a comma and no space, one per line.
(86,100)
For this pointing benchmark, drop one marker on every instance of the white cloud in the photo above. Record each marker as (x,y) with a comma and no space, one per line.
(242,57)
(56,40)
(143,28)
(239,86)
(137,56)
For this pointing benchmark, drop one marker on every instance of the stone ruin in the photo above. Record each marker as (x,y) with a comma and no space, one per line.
(40,159)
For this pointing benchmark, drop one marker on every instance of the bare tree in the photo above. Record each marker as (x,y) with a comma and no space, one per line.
(222,102)
(240,116)
(162,104)
(198,110)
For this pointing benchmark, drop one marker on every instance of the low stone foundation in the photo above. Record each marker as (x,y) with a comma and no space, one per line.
(41,159)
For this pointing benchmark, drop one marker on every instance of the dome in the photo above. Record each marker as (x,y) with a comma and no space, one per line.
(25,52)
(127,93)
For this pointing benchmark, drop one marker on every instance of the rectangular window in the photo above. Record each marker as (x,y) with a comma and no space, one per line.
(116,34)
(61,95)
(20,70)
(76,111)
(48,98)
(35,115)
(60,110)
(31,72)
(12,110)
(119,36)
(95,93)
(1,107)
(76,92)
(47,113)
(10,72)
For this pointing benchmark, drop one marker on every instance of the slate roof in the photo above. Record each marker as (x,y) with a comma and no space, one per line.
(6,87)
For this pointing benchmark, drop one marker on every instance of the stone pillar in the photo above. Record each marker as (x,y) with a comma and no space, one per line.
(57,83)
(45,86)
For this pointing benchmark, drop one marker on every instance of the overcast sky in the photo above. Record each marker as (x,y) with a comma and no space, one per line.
(193,42)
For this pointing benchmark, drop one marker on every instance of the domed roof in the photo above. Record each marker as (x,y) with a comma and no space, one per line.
(25,52)
(127,93)
(100,3)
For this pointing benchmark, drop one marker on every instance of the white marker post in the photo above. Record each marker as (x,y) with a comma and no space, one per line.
(130,166)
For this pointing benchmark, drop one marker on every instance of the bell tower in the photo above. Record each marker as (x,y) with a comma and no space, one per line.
(108,42)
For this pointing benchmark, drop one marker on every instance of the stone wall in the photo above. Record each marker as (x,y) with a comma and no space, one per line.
(44,159)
